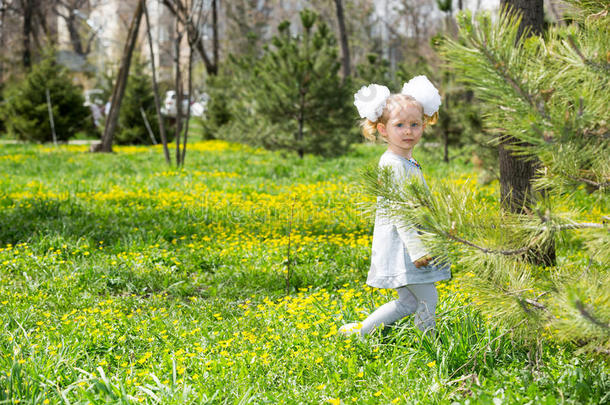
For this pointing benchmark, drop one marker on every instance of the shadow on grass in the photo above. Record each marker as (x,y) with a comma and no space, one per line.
(48,224)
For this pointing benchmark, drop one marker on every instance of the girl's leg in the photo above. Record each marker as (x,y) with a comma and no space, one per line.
(387,314)
(427,297)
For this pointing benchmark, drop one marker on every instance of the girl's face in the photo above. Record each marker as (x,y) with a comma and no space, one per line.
(403,130)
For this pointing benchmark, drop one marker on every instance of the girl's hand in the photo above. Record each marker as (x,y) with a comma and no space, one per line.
(422,261)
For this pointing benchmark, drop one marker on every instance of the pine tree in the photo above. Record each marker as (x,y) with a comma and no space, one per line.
(26,111)
(552,95)
(374,70)
(293,97)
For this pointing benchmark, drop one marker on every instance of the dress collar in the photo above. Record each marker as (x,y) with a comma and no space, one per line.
(411,160)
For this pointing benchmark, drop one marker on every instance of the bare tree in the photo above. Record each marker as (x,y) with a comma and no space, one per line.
(156,89)
(3,32)
(27,8)
(184,11)
(214,31)
(32,16)
(345,61)
(194,15)
(69,11)
(121,81)
(188,108)
(179,91)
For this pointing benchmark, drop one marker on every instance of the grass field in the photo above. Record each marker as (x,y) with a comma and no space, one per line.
(125,281)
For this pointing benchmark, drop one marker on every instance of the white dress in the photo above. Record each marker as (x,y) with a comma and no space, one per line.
(396,247)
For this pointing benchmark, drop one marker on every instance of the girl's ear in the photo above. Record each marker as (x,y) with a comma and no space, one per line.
(381,129)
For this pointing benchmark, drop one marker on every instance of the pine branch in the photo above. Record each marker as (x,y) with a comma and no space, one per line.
(535,303)
(605,67)
(591,183)
(588,316)
(484,249)
(497,65)
(581,225)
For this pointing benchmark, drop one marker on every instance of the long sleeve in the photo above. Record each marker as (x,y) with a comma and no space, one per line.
(408,235)
(412,242)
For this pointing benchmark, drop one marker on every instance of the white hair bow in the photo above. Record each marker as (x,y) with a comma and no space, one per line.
(370,101)
(422,90)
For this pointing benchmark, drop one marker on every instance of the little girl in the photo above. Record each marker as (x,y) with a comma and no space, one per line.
(399,260)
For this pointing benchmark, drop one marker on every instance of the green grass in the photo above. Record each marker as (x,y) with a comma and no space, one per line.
(125,281)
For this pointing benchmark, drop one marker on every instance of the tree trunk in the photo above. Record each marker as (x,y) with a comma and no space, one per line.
(75,38)
(188,108)
(156,90)
(2,39)
(28,14)
(446,123)
(214,33)
(121,81)
(180,11)
(532,12)
(516,173)
(179,95)
(344,43)
(515,178)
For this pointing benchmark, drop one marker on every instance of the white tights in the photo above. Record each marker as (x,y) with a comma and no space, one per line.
(420,299)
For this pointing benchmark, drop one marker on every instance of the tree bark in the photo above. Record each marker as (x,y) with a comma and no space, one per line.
(71,19)
(179,95)
(214,33)
(188,108)
(345,60)
(2,39)
(516,173)
(532,12)
(156,89)
(75,38)
(28,13)
(121,82)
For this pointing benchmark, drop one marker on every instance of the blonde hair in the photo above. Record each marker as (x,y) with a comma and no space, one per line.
(369,128)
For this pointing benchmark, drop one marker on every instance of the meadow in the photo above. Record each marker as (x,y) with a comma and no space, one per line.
(123,280)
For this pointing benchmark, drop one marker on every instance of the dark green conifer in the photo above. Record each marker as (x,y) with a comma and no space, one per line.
(293,97)
(26,111)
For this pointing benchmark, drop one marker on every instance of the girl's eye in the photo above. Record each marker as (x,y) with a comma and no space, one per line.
(415,124)
(399,125)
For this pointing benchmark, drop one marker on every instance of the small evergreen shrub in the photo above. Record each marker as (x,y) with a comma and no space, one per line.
(25,111)
(292,97)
